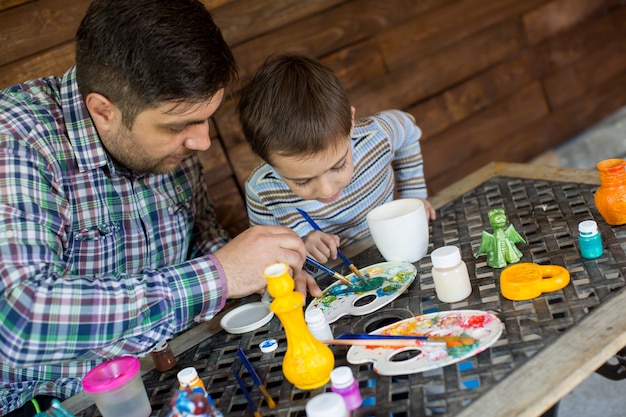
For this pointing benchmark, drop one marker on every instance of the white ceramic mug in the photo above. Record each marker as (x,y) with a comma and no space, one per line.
(399,229)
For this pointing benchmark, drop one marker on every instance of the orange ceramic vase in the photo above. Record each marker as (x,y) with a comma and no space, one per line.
(610,198)
(308,362)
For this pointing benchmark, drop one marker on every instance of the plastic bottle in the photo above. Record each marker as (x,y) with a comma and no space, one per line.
(317,324)
(185,403)
(343,383)
(589,239)
(452,282)
(328,404)
(188,378)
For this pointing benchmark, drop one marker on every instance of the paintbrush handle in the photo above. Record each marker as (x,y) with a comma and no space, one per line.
(255,378)
(326,269)
(381,342)
(267,396)
(343,257)
(367,336)
(246,394)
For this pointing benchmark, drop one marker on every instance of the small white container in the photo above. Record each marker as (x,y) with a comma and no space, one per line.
(317,324)
(452,282)
(328,404)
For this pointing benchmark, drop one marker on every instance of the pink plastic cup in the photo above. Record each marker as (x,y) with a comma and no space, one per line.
(117,389)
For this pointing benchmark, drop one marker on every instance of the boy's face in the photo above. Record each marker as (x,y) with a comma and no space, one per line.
(322,176)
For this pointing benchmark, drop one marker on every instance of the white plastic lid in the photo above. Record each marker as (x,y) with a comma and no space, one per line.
(445,257)
(268,345)
(187,375)
(247,317)
(341,377)
(588,227)
(162,345)
(314,315)
(328,404)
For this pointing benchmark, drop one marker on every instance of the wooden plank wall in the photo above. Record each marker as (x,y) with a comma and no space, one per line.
(500,80)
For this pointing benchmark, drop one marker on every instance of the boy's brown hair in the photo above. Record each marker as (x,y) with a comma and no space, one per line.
(294,106)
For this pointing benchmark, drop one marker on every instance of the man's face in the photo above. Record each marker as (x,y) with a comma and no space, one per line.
(161,137)
(319,177)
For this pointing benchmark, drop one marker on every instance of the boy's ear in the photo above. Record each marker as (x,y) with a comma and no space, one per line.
(353,113)
(103,111)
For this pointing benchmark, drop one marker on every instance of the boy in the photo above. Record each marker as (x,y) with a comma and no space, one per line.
(296,116)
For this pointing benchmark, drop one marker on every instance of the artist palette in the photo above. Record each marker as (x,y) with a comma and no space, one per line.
(484,327)
(383,283)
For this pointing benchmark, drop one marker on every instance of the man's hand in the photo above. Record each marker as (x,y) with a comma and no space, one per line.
(245,258)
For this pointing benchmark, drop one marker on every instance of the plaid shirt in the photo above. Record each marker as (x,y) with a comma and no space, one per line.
(95,261)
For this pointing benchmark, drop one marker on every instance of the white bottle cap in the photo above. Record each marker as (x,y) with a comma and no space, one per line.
(341,377)
(187,375)
(328,404)
(445,257)
(268,345)
(314,316)
(588,227)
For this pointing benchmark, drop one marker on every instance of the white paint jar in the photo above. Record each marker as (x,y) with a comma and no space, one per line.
(452,282)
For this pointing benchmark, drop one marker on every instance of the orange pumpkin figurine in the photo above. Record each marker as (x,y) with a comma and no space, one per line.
(610,198)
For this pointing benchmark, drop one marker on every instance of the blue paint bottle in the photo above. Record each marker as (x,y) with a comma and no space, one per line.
(589,239)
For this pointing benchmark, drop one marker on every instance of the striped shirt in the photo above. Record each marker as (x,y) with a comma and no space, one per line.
(387,164)
(95,261)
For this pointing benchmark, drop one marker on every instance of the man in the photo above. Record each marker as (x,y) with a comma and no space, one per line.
(108,241)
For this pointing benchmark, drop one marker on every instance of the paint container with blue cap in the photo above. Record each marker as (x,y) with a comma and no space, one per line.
(268,345)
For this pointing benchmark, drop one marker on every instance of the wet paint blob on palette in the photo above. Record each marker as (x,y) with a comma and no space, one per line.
(483,327)
(382,283)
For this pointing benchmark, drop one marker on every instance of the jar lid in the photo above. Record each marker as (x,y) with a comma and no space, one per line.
(162,345)
(268,345)
(314,315)
(328,404)
(187,375)
(588,226)
(445,257)
(111,374)
(341,377)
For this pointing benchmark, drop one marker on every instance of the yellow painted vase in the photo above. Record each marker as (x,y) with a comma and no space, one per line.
(610,198)
(308,362)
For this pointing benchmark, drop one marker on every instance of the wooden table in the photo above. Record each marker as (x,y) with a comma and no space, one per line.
(550,344)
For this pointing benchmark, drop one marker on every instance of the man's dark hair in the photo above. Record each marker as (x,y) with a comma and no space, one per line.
(142,53)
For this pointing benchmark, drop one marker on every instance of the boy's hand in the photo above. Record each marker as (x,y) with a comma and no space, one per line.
(430,211)
(321,246)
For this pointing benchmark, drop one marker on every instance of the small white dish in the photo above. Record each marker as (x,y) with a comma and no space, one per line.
(246,318)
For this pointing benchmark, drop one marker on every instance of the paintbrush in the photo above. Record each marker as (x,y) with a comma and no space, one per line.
(246,394)
(256,378)
(449,341)
(329,271)
(383,342)
(343,258)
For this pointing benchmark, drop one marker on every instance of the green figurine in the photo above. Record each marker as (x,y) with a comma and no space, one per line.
(500,247)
